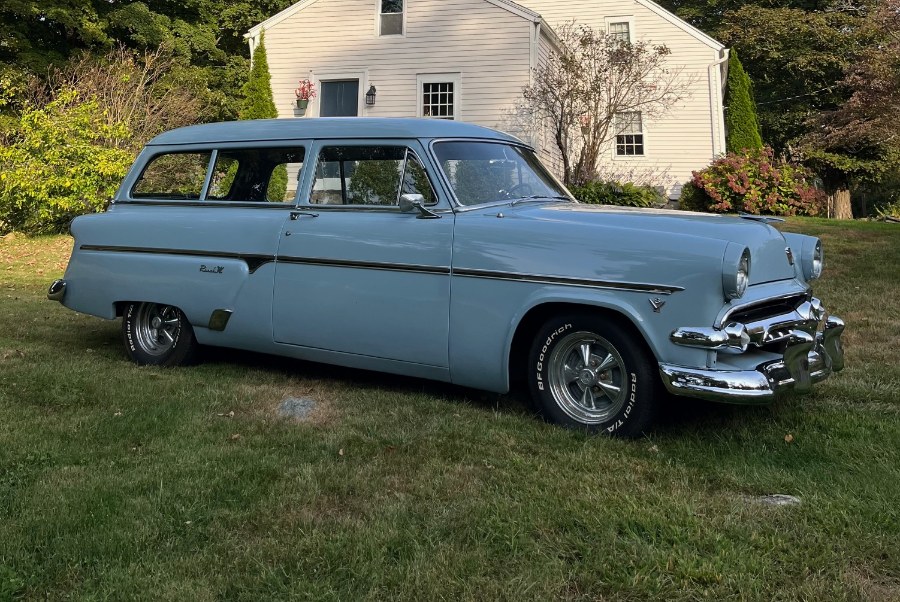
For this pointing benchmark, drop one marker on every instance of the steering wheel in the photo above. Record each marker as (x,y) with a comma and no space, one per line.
(521,189)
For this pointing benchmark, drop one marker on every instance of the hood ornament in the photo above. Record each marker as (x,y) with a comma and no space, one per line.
(657,304)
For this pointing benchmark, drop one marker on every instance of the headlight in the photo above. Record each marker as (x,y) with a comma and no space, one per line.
(735,271)
(813,260)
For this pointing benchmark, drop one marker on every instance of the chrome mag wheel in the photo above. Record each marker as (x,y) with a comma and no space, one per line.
(588,378)
(156,328)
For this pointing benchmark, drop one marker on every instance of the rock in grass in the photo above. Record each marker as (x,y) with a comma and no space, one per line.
(776,499)
(296,407)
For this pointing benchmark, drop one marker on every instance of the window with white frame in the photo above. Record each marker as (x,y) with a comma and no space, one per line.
(439,96)
(390,17)
(619,30)
(629,134)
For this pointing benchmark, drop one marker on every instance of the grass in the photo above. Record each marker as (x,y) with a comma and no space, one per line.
(121,483)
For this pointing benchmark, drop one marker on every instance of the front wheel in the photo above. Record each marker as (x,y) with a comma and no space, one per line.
(157,335)
(587,372)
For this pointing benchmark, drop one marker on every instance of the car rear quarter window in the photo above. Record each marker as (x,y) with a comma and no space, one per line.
(178,176)
(268,175)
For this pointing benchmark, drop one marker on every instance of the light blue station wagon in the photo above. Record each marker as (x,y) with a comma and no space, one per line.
(446,251)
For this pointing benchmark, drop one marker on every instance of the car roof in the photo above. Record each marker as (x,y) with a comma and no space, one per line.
(326,127)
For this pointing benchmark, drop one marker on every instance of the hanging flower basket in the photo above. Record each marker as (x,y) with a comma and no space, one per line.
(304,92)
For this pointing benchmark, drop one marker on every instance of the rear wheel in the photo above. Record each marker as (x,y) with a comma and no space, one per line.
(157,335)
(587,372)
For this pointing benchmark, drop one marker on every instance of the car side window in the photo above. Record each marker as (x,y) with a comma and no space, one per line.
(267,175)
(368,175)
(178,176)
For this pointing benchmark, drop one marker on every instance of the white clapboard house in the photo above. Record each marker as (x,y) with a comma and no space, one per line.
(469,60)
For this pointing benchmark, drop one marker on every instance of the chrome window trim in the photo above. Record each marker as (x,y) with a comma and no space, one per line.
(147,162)
(233,204)
(400,142)
(202,201)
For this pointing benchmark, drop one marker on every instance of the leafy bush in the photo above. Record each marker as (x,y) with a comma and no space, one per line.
(615,193)
(692,198)
(755,182)
(57,166)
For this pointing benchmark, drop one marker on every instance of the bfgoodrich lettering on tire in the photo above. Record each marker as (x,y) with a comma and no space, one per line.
(157,335)
(585,371)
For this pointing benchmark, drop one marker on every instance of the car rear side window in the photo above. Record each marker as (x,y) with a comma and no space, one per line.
(268,175)
(178,176)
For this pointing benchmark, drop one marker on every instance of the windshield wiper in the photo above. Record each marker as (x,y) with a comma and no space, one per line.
(540,197)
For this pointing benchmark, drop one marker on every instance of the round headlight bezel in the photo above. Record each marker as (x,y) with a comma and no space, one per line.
(812,260)
(818,261)
(736,269)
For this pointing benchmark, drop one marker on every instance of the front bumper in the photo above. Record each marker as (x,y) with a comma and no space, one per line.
(811,351)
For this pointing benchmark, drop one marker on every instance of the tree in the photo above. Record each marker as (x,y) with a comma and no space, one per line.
(141,91)
(858,142)
(206,35)
(592,79)
(258,102)
(795,58)
(740,112)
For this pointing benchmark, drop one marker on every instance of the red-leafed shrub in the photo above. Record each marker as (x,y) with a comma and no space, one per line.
(753,182)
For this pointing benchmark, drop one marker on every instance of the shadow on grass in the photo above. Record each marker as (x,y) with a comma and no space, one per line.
(678,416)
(514,403)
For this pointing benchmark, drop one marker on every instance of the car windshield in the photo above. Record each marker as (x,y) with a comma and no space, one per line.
(487,172)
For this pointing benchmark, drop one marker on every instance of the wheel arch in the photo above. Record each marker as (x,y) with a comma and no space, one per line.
(531,321)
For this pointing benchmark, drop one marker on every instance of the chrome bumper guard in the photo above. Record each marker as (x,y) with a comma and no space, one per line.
(811,354)
(57,290)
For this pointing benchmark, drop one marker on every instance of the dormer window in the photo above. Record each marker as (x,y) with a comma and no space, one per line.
(391,17)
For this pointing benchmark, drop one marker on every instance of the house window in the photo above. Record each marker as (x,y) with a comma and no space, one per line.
(620,31)
(438,100)
(391,17)
(629,134)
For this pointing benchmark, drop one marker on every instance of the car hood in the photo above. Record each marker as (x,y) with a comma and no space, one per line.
(767,246)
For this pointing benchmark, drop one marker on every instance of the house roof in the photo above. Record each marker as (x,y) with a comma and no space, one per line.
(681,24)
(509,5)
(261,130)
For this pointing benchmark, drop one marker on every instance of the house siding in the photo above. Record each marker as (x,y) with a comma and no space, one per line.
(489,47)
(689,136)
(549,151)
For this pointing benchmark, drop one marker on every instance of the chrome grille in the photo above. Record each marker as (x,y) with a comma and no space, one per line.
(767,309)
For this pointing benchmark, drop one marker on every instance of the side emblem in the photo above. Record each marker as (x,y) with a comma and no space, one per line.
(657,304)
(790,255)
(215,270)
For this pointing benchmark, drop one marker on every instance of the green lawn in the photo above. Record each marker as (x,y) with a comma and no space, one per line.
(121,483)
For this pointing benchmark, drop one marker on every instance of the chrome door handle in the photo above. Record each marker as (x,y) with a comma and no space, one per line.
(295,215)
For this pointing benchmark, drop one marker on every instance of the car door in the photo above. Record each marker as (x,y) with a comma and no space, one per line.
(356,275)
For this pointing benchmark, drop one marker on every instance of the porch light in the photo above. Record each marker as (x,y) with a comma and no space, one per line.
(370,97)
